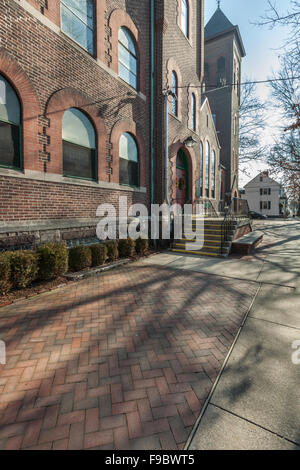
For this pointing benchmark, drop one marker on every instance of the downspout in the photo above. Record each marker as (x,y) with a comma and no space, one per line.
(152,59)
(152,103)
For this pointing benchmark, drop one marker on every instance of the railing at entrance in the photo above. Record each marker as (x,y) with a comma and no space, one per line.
(238,209)
(208,209)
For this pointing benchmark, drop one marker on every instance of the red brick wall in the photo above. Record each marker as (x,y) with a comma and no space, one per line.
(51,73)
(186,57)
(28,200)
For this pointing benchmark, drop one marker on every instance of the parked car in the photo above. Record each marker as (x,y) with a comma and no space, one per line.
(257,215)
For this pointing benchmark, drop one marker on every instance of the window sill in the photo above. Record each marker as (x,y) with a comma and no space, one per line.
(73,41)
(185,37)
(175,117)
(60,179)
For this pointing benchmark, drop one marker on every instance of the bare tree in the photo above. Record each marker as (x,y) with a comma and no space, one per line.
(252,123)
(291,17)
(284,157)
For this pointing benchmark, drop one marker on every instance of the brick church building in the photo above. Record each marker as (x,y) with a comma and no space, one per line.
(82,111)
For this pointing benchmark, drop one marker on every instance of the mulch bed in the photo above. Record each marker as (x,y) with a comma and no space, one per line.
(41,287)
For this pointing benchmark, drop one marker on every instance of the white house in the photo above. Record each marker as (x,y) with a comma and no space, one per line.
(265,195)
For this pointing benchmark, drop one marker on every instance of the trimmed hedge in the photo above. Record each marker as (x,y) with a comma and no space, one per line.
(141,246)
(112,250)
(53,260)
(126,247)
(24,268)
(80,258)
(99,254)
(5,274)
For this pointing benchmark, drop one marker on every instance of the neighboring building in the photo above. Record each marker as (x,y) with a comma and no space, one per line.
(265,196)
(224,51)
(194,173)
(81,124)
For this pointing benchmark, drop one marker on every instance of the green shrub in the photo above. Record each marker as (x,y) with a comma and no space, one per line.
(126,247)
(141,246)
(53,260)
(80,258)
(112,250)
(5,273)
(24,268)
(99,254)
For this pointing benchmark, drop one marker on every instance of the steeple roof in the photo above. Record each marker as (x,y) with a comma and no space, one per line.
(218,25)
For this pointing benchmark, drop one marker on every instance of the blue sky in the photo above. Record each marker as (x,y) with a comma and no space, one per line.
(261,46)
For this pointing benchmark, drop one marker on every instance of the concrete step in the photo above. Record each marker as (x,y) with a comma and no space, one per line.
(198,253)
(208,248)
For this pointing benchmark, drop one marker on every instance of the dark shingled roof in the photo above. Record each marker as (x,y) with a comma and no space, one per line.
(217,24)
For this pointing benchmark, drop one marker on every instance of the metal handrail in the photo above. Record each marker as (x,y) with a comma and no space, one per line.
(238,209)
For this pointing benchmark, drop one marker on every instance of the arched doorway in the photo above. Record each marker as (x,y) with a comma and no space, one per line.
(182,178)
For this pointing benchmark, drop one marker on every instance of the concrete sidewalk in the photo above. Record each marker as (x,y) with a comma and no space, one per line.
(255,404)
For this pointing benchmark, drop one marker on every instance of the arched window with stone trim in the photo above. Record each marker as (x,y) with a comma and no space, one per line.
(193,112)
(128,160)
(79,145)
(175,91)
(128,58)
(10,126)
(185,17)
(207,167)
(201,169)
(213,174)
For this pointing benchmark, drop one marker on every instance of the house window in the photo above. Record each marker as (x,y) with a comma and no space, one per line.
(185,17)
(129,160)
(213,173)
(10,126)
(77,21)
(175,91)
(79,146)
(193,112)
(221,72)
(207,168)
(128,61)
(269,205)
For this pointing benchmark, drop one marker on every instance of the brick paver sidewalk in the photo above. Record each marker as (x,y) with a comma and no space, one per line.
(120,361)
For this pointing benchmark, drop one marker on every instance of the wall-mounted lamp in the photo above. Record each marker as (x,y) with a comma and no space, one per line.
(190,142)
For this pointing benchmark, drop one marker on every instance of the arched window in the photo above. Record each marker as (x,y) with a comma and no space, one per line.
(221,71)
(175,91)
(77,21)
(193,112)
(201,169)
(207,168)
(213,173)
(129,160)
(10,126)
(79,145)
(185,17)
(128,60)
